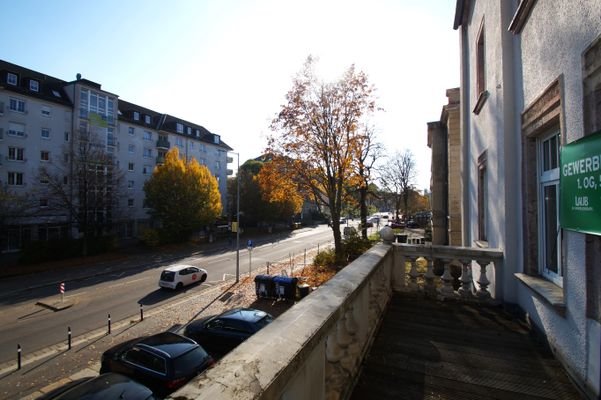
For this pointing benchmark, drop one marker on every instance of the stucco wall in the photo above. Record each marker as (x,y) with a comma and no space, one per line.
(552,43)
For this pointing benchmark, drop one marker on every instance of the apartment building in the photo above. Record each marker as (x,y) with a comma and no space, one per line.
(42,121)
(529,103)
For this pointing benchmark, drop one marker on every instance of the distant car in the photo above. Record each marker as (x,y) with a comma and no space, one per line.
(219,334)
(108,386)
(163,362)
(412,224)
(397,224)
(180,275)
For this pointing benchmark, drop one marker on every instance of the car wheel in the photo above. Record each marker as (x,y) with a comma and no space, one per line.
(203,278)
(179,286)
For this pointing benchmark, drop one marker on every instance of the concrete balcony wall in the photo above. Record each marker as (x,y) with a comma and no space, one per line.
(314,350)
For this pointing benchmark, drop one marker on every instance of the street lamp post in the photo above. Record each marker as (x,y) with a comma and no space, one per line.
(237,217)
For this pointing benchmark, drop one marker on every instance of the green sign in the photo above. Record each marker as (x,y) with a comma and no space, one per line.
(580,185)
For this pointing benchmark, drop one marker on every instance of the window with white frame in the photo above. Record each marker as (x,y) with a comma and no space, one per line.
(17,105)
(44,155)
(147,153)
(189,130)
(131,149)
(46,111)
(147,119)
(179,128)
(147,170)
(136,116)
(15,178)
(12,79)
(147,135)
(131,130)
(16,153)
(179,142)
(45,133)
(130,166)
(548,206)
(16,129)
(203,148)
(34,85)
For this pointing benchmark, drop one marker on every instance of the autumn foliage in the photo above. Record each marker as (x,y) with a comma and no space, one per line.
(183,196)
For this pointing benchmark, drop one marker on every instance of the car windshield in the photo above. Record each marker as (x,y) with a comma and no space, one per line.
(168,276)
(190,361)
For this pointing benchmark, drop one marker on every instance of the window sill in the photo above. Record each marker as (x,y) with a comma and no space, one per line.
(545,290)
(480,102)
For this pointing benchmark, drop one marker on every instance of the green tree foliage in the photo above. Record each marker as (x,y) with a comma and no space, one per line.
(184,197)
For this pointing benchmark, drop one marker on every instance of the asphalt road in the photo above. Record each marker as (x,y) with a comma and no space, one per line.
(120,288)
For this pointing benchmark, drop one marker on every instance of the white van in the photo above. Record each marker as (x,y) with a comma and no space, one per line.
(180,275)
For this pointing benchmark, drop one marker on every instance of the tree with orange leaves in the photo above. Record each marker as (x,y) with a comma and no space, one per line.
(184,196)
(318,136)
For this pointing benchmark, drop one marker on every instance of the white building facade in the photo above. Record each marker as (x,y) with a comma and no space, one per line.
(530,84)
(41,119)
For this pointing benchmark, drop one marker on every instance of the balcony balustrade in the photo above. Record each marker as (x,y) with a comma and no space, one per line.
(163,144)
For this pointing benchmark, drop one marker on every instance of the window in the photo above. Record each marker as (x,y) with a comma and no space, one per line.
(131,148)
(548,205)
(66,157)
(189,130)
(179,128)
(179,142)
(540,174)
(66,136)
(44,155)
(15,178)
(197,132)
(56,93)
(217,165)
(203,148)
(482,197)
(147,153)
(130,166)
(202,161)
(65,180)
(17,105)
(45,111)
(147,135)
(43,203)
(130,202)
(131,130)
(11,79)
(216,139)
(16,154)
(136,116)
(34,85)
(44,179)
(45,133)
(130,184)
(15,129)
(481,92)
(147,119)
(147,170)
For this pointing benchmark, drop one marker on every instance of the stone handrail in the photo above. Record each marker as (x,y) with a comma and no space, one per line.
(313,351)
(464,259)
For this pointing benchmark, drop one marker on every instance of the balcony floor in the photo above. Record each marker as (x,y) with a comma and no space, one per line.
(433,350)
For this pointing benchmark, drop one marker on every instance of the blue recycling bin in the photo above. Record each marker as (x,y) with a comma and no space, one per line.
(285,287)
(264,286)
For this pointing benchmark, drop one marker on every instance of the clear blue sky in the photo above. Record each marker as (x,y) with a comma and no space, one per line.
(228,64)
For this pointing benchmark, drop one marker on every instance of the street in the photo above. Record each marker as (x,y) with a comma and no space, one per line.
(121,290)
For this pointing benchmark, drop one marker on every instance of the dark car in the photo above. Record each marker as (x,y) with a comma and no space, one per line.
(397,224)
(103,387)
(219,334)
(163,362)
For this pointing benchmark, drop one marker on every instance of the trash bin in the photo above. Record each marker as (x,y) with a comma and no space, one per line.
(401,238)
(264,286)
(303,290)
(285,287)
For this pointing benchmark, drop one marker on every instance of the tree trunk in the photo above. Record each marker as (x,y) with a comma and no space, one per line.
(363,211)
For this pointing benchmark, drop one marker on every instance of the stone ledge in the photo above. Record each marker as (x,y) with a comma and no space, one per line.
(545,290)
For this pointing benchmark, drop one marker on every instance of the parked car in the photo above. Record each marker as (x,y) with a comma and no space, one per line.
(180,275)
(219,334)
(412,224)
(163,362)
(107,386)
(397,224)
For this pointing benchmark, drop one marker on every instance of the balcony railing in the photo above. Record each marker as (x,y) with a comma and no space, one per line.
(163,144)
(315,349)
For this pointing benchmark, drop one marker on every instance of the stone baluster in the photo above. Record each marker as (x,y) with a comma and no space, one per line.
(429,277)
(399,272)
(336,375)
(483,282)
(447,291)
(465,290)
(413,274)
